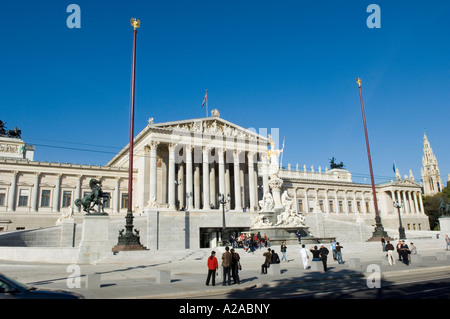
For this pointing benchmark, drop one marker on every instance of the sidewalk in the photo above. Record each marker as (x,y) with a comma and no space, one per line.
(133,274)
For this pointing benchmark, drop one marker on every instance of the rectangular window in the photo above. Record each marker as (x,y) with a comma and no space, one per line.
(321,204)
(124,201)
(349,205)
(45,198)
(23,197)
(340,206)
(358,207)
(367,207)
(106,202)
(67,198)
(330,204)
(300,205)
(2,196)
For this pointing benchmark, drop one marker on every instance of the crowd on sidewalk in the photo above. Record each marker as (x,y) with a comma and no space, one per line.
(230,259)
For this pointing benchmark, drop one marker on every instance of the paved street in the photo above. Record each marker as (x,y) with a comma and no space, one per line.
(132,275)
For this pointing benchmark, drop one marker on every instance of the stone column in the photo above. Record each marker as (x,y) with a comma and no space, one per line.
(421,204)
(116,204)
(410,207)
(171,178)
(237,181)
(363,204)
(153,171)
(265,173)
(221,171)
(212,185)
(306,201)
(180,183)
(327,204)
(336,202)
(189,183)
(416,206)
(197,193)
(35,193)
(251,181)
(206,177)
(399,200)
(406,203)
(12,192)
(57,194)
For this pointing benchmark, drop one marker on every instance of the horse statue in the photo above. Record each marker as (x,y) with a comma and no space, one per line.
(444,208)
(334,164)
(95,197)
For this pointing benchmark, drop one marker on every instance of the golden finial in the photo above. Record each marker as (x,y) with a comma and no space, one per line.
(135,23)
(358,80)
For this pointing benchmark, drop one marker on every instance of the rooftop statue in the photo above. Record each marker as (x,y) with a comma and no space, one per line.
(335,165)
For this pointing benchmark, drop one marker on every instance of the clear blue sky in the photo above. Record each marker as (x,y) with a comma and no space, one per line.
(284,64)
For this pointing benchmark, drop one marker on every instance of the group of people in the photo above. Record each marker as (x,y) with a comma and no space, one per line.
(231,266)
(250,242)
(403,250)
(231,261)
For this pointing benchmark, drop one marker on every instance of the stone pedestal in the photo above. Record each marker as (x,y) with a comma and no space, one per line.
(94,243)
(444,225)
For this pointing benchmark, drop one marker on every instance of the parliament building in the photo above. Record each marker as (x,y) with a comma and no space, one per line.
(180,169)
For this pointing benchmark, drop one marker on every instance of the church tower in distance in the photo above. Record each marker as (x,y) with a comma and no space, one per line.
(431,178)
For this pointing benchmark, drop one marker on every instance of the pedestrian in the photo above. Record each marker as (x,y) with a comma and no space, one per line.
(305,257)
(412,251)
(398,250)
(333,248)
(226,264)
(212,267)
(390,253)
(323,255)
(283,251)
(404,249)
(447,242)
(316,253)
(267,260)
(339,253)
(235,263)
(383,243)
(299,236)
(275,258)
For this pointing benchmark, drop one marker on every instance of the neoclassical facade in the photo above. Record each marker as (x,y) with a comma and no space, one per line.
(183,166)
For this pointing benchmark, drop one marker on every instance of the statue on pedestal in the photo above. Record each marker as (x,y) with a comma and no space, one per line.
(95,197)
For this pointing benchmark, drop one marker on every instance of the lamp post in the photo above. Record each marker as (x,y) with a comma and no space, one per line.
(401,229)
(223,201)
(130,241)
(379,230)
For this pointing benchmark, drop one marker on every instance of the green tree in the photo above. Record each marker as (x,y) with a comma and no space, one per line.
(431,206)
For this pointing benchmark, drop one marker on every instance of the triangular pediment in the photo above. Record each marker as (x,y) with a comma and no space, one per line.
(208,127)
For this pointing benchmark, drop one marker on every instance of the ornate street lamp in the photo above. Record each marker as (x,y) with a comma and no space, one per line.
(401,229)
(223,201)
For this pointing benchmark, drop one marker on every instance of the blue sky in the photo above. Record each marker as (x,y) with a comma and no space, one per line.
(284,64)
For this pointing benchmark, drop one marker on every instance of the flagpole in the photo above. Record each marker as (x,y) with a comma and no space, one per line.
(379,230)
(206,102)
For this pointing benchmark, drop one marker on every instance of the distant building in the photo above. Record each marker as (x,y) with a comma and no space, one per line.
(431,177)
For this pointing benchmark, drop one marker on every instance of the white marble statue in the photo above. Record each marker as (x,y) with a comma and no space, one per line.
(260,221)
(67,215)
(266,204)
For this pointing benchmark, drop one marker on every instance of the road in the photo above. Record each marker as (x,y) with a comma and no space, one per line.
(419,285)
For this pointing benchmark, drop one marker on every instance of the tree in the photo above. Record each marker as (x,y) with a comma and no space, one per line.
(431,206)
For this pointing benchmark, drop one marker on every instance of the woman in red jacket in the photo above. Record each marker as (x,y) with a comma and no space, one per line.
(212,266)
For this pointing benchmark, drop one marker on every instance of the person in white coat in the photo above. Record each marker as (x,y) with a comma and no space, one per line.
(305,257)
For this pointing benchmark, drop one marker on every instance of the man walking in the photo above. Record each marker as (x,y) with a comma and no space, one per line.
(305,257)
(323,255)
(226,264)
(390,252)
(267,261)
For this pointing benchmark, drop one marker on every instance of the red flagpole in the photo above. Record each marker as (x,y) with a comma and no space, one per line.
(379,230)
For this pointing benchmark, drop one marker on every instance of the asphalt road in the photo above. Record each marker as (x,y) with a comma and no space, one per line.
(423,285)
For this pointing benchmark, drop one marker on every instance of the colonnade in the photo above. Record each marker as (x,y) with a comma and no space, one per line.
(196,178)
